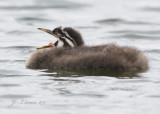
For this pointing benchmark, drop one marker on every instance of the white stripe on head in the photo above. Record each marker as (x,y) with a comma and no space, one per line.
(60,43)
(72,44)
(69,42)
(62,29)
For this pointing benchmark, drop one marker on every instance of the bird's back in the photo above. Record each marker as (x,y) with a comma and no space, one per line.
(107,57)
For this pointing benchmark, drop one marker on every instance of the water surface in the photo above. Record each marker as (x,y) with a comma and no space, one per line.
(124,22)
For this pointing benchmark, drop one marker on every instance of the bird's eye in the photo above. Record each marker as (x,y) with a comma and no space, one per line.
(56,32)
(59,35)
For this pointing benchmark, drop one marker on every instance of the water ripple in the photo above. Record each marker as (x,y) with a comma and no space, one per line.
(9,85)
(86,95)
(114,21)
(153,51)
(81,73)
(36,19)
(20,47)
(19,32)
(154,9)
(155,32)
(154,96)
(41,5)
(136,36)
(14,96)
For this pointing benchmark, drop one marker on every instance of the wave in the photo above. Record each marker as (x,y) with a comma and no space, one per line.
(114,21)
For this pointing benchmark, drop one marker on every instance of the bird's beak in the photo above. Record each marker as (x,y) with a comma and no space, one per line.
(48,46)
(48,31)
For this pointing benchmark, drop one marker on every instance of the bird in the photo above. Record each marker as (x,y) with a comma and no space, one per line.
(70,53)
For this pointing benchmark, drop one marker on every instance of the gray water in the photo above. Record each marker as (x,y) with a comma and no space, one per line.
(133,23)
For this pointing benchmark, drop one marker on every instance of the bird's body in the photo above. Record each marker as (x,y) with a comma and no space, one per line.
(103,57)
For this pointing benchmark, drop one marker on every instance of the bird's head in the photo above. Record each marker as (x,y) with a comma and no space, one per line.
(66,37)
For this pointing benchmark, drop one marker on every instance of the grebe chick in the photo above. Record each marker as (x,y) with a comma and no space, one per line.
(69,52)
